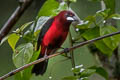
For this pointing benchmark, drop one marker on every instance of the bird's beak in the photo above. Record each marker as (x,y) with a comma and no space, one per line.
(72,18)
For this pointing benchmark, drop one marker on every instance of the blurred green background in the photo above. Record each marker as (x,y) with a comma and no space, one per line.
(58,66)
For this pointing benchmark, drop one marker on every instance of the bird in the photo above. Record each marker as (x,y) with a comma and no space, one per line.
(52,36)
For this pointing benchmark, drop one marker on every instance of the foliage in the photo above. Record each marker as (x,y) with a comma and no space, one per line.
(12,40)
(91,27)
(82,73)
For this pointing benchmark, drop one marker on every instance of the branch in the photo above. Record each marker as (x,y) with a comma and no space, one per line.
(56,54)
(71,52)
(14,18)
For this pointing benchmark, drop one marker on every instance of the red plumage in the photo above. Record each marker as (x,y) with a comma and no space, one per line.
(51,37)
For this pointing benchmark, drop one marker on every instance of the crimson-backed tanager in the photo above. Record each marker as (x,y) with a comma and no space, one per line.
(52,35)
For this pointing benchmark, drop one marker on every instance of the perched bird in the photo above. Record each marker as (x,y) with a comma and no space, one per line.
(51,37)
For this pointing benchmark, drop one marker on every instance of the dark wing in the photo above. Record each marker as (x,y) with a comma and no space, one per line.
(43,31)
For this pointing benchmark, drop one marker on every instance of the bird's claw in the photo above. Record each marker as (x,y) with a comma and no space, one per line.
(45,56)
(66,50)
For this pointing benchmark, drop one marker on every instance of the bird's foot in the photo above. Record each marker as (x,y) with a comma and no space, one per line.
(66,50)
(45,56)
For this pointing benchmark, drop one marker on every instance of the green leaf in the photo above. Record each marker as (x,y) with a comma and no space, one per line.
(77,69)
(110,4)
(101,71)
(115,16)
(26,73)
(113,41)
(40,22)
(84,25)
(70,78)
(103,48)
(12,40)
(87,72)
(94,33)
(103,13)
(19,30)
(84,78)
(23,54)
(25,25)
(71,0)
(90,18)
(35,55)
(62,6)
(49,8)
(4,39)
(94,0)
(18,76)
(29,36)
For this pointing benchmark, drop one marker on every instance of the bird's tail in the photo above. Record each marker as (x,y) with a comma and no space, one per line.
(40,68)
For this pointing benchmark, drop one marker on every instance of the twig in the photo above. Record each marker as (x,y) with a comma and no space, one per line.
(71,52)
(14,18)
(58,53)
(25,66)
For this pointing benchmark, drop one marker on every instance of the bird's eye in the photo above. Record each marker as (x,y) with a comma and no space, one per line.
(71,15)
(66,14)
